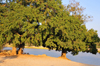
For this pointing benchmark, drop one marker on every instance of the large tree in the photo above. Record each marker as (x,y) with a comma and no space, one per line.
(18,26)
(59,29)
(67,32)
(21,22)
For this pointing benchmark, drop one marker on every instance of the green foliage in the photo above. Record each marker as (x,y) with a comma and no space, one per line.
(91,39)
(67,33)
(20,23)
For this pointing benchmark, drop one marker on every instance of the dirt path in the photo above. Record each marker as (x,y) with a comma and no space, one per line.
(32,60)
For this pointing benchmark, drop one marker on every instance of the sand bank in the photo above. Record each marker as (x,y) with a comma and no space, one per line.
(33,60)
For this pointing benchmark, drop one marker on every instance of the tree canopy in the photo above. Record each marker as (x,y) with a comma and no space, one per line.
(45,23)
(20,23)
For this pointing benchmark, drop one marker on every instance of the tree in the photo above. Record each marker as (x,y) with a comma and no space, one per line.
(68,33)
(17,28)
(58,30)
(21,22)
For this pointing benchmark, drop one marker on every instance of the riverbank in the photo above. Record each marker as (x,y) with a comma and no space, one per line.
(98,50)
(36,60)
(34,47)
(40,47)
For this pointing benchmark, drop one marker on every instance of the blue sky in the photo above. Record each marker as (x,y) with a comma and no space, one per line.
(92,9)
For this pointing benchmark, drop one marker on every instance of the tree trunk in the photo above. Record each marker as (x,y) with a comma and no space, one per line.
(63,53)
(20,51)
(13,51)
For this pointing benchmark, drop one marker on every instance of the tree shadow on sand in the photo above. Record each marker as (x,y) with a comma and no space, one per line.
(3,58)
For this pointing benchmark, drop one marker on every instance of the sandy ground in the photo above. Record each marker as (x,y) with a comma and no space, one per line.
(33,60)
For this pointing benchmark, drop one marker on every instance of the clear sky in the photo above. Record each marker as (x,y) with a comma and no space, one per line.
(92,9)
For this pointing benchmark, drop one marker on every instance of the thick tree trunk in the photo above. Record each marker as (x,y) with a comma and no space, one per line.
(63,53)
(13,51)
(20,51)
